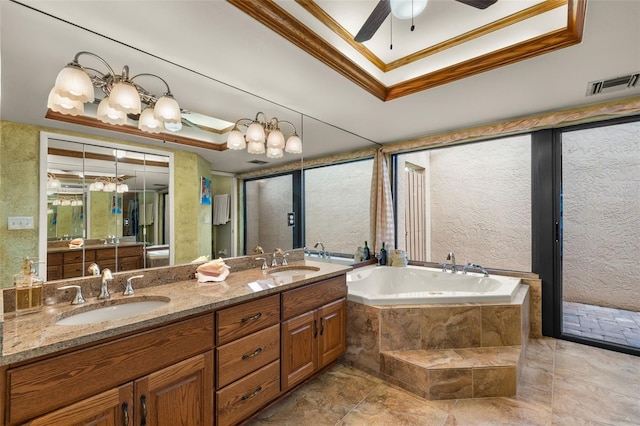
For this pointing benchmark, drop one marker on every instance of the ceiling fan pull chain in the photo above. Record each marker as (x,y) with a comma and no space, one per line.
(413,27)
(391,32)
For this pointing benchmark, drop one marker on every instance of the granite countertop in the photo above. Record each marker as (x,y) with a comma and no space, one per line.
(32,335)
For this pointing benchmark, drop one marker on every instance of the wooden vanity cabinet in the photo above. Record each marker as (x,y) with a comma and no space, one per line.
(247,358)
(169,368)
(313,329)
(72,263)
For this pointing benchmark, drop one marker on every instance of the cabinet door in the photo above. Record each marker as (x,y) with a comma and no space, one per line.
(111,408)
(299,355)
(332,339)
(181,394)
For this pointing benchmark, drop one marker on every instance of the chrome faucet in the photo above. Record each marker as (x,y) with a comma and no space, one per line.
(94,269)
(274,260)
(321,253)
(264,263)
(128,289)
(474,266)
(452,258)
(104,290)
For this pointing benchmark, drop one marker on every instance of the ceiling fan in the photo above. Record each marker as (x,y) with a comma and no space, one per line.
(383,9)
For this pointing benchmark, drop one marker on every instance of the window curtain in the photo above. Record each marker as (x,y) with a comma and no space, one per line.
(381,207)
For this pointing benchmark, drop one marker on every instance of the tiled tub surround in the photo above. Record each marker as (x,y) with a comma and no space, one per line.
(442,351)
(32,335)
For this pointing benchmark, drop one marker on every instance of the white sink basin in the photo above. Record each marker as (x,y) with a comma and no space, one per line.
(292,271)
(123,308)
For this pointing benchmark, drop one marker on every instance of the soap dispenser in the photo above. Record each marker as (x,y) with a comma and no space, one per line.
(28,288)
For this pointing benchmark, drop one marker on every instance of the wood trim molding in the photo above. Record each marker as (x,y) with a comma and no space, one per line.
(283,23)
(96,156)
(131,130)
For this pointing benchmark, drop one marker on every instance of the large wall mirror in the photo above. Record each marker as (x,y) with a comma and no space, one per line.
(103,203)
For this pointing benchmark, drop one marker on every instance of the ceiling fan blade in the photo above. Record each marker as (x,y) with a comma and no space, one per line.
(478,4)
(373,22)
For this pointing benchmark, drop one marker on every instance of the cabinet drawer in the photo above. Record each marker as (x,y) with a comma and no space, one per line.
(246,318)
(244,397)
(46,385)
(304,299)
(71,270)
(76,255)
(54,259)
(129,251)
(242,356)
(105,253)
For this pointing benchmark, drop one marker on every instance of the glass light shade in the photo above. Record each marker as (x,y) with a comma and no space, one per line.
(96,186)
(65,203)
(294,145)
(275,139)
(74,203)
(56,202)
(148,122)
(406,9)
(124,97)
(74,83)
(167,110)
(122,187)
(52,182)
(63,105)
(236,140)
(173,127)
(274,152)
(110,115)
(110,187)
(255,133)
(254,147)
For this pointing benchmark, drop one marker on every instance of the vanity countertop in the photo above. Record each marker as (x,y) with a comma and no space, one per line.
(32,335)
(66,248)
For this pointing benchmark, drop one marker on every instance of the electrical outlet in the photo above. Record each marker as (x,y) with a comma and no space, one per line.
(20,222)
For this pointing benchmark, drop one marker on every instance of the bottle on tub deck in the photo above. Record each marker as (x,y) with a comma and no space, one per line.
(366,253)
(383,255)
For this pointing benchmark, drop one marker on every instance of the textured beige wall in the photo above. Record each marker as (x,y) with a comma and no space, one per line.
(481,203)
(19,195)
(337,206)
(601,216)
(268,202)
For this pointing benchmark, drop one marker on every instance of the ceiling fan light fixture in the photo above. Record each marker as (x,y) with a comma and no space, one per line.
(407,9)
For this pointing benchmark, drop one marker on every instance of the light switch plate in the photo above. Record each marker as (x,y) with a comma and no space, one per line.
(20,222)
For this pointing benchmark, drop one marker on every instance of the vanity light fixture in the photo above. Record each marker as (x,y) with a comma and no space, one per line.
(264,136)
(75,86)
(109,184)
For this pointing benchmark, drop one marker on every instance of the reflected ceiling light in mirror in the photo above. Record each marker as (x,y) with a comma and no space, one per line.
(123,95)
(109,184)
(263,131)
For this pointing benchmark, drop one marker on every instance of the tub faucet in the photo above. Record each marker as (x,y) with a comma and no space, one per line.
(452,258)
(321,253)
(474,266)
(106,277)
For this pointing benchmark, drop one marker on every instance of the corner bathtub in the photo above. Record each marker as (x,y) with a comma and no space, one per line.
(386,285)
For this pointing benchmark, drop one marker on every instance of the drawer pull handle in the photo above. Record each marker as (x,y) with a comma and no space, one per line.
(125,414)
(252,394)
(255,317)
(143,404)
(251,355)
(321,326)
(315,328)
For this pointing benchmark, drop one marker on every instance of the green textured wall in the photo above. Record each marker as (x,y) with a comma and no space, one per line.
(19,196)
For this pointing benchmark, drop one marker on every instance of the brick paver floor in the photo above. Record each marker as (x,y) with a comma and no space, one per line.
(600,323)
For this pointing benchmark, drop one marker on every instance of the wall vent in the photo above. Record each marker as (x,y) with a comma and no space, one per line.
(613,84)
(259,162)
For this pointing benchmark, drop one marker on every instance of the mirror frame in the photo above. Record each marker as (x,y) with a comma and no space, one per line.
(42,220)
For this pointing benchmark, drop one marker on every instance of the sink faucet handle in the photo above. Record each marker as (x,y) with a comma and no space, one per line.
(128,290)
(264,263)
(284,259)
(78,299)
(258,249)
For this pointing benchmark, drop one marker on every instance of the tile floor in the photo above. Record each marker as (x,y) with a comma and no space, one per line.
(562,383)
(600,323)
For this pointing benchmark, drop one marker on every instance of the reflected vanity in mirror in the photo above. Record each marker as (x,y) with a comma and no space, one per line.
(103,203)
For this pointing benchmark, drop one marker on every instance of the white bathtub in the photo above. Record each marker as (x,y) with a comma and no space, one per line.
(386,285)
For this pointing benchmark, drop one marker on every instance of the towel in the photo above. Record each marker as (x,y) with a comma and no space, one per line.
(147,217)
(221,209)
